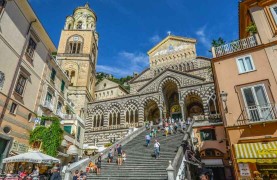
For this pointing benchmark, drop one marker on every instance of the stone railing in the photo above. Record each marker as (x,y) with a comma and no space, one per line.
(73,117)
(81,165)
(48,105)
(174,167)
(120,126)
(236,46)
(60,114)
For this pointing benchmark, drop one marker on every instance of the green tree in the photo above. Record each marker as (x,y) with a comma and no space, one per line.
(218,42)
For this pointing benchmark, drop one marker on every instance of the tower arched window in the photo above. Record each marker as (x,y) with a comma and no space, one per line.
(69,26)
(79,25)
(75,45)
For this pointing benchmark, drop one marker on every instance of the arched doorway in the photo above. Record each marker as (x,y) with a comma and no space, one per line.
(194,105)
(151,111)
(171,100)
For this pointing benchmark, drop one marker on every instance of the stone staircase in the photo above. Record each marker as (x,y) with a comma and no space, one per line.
(140,163)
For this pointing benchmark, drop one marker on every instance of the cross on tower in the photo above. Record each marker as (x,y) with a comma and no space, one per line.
(169,33)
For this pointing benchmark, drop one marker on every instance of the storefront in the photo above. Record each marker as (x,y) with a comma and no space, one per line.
(256,158)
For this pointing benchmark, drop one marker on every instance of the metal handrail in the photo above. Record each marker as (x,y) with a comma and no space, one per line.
(257,113)
(235,46)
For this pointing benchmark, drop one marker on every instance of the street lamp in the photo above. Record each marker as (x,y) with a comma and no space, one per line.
(223,96)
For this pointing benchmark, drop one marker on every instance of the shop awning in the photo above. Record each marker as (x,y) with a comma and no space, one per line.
(256,152)
(212,162)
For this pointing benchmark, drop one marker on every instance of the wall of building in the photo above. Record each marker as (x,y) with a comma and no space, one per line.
(15,23)
(229,80)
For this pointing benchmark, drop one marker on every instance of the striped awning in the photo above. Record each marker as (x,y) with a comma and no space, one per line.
(256,152)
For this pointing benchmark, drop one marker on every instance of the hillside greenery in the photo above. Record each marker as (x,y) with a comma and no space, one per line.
(122,81)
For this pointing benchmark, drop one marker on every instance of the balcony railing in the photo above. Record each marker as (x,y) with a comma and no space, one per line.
(73,117)
(60,114)
(255,114)
(48,105)
(212,118)
(235,46)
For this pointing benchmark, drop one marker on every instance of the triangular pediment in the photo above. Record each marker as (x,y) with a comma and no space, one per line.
(182,79)
(172,43)
(105,84)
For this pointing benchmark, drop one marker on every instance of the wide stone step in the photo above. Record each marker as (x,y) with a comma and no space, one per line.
(141,163)
(141,177)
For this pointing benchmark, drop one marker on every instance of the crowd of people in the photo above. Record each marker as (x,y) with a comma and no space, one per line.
(167,126)
(34,173)
(117,150)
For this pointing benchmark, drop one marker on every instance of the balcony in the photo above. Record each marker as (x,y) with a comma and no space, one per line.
(257,114)
(60,114)
(236,46)
(48,105)
(212,118)
(73,117)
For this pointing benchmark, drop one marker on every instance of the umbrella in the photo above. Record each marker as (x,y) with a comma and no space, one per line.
(33,157)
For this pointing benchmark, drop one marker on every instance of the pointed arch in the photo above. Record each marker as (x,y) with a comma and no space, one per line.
(131,112)
(169,79)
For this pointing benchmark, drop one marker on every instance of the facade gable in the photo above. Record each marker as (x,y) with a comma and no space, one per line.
(181,79)
(106,84)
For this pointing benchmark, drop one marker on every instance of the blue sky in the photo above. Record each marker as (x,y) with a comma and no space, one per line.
(129,28)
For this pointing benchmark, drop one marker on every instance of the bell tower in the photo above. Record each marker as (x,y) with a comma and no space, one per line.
(77,53)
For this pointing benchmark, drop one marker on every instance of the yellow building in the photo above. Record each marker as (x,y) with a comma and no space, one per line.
(77,53)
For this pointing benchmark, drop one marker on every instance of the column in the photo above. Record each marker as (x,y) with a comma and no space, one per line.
(181,103)
(122,117)
(106,119)
(161,111)
(141,116)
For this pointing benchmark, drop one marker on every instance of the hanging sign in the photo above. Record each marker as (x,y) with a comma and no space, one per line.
(244,170)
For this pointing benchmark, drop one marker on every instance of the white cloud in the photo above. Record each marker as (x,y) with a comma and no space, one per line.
(126,63)
(202,37)
(155,39)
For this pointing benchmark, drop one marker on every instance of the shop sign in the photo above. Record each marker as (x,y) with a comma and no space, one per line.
(244,170)
(19,147)
(267,151)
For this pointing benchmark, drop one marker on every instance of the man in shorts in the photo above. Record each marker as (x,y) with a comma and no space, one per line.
(110,156)
(119,155)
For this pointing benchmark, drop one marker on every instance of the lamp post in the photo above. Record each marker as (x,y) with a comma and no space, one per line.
(223,96)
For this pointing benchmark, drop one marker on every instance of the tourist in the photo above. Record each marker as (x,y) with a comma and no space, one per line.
(83,175)
(99,160)
(76,175)
(35,173)
(175,127)
(157,149)
(147,138)
(9,175)
(166,131)
(119,155)
(170,129)
(188,121)
(56,174)
(23,174)
(155,132)
(91,167)
(110,156)
(124,156)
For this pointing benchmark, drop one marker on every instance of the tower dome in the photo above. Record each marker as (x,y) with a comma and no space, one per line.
(83,18)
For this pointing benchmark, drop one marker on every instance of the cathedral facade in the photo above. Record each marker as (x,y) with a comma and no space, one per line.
(177,84)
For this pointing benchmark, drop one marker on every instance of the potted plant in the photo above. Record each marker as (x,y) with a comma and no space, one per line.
(251,29)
